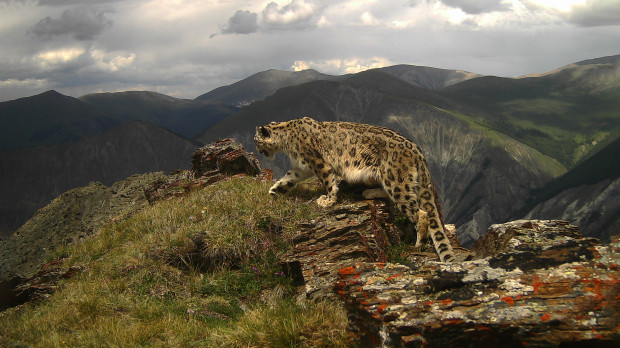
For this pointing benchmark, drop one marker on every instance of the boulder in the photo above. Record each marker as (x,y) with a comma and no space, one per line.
(210,164)
(226,156)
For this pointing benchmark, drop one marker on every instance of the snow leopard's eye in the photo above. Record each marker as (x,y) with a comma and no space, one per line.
(264,132)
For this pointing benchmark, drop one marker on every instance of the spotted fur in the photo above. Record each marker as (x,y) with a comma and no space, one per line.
(358,153)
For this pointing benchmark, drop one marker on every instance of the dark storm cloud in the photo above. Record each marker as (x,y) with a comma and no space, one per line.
(242,22)
(477,6)
(597,13)
(83,23)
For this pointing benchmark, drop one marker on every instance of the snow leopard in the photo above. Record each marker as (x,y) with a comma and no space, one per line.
(359,153)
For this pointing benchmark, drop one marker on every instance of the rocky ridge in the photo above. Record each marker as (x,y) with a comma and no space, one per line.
(527,282)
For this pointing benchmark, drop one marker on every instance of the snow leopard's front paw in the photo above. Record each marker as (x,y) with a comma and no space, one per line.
(278,189)
(325,201)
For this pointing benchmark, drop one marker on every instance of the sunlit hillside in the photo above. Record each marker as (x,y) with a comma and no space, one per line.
(196,270)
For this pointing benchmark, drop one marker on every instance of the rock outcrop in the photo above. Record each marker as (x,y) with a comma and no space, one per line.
(351,234)
(538,283)
(524,283)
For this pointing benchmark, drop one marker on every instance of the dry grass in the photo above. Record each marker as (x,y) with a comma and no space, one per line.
(192,271)
(320,324)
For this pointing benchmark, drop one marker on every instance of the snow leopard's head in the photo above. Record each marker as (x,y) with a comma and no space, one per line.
(268,139)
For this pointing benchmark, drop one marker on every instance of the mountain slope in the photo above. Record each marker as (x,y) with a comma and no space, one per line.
(31,177)
(261,85)
(482,176)
(49,118)
(185,117)
(568,114)
(427,77)
(588,195)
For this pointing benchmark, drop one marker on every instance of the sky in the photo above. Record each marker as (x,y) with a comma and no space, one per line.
(187,48)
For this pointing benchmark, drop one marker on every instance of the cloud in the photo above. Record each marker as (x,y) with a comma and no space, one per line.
(368,19)
(297,15)
(242,22)
(477,6)
(595,13)
(342,66)
(110,62)
(56,58)
(72,2)
(82,23)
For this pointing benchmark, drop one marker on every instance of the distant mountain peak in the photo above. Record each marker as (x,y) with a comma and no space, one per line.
(261,85)
(52,92)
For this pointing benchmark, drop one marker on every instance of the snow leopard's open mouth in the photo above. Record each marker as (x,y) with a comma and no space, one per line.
(264,152)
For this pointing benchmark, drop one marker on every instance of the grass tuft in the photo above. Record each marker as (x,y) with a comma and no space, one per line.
(286,324)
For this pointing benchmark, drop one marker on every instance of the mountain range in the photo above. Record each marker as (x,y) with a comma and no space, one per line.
(492,143)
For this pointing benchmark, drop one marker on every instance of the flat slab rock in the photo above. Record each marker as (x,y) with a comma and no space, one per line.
(539,283)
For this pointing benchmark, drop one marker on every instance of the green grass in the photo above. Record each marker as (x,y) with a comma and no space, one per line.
(495,137)
(548,113)
(199,270)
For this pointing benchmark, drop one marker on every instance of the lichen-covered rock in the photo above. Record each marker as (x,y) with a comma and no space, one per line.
(210,164)
(225,156)
(348,234)
(542,284)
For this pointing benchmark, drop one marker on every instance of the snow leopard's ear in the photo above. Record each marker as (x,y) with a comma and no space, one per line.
(264,132)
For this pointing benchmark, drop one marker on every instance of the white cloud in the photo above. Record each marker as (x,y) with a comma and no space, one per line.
(323,22)
(342,66)
(28,83)
(298,14)
(56,58)
(368,19)
(111,62)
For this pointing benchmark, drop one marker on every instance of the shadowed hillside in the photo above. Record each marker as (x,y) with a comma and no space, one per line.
(32,177)
(186,117)
(49,118)
(588,195)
